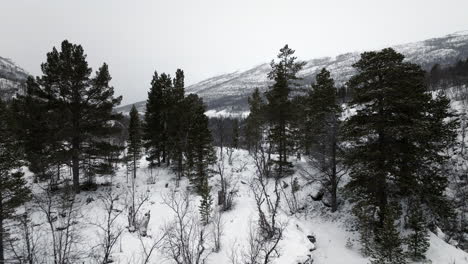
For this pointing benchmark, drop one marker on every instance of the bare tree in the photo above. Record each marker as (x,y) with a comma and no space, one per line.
(326,160)
(267,204)
(26,246)
(62,213)
(186,238)
(227,183)
(258,250)
(291,195)
(109,230)
(218,225)
(134,203)
(148,248)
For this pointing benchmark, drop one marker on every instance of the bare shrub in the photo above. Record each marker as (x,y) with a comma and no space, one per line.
(186,240)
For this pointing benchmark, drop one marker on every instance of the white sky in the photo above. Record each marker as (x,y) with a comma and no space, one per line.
(209,37)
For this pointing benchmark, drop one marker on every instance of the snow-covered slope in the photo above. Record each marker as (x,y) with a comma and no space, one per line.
(12,78)
(236,87)
(230,91)
(332,231)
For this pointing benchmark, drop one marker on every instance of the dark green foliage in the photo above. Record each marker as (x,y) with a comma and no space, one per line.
(153,126)
(387,248)
(79,109)
(397,135)
(134,141)
(365,224)
(199,150)
(446,77)
(255,121)
(44,152)
(13,189)
(418,240)
(206,202)
(177,125)
(235,134)
(176,129)
(322,141)
(279,109)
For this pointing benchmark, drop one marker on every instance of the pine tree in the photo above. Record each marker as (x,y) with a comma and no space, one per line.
(199,149)
(397,128)
(168,102)
(365,226)
(322,133)
(255,121)
(134,139)
(153,129)
(13,189)
(279,108)
(42,147)
(177,124)
(80,106)
(206,202)
(387,248)
(418,240)
(157,118)
(235,133)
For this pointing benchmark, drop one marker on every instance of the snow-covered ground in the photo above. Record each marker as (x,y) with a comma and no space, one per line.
(330,230)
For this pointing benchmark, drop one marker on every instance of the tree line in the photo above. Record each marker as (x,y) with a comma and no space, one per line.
(65,120)
(385,150)
(392,141)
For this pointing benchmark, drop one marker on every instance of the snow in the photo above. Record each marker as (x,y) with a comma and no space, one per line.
(330,230)
(226,114)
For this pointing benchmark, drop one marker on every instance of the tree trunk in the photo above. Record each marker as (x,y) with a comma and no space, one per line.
(334,180)
(134,166)
(76,166)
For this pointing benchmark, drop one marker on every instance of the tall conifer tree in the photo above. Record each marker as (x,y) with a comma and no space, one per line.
(80,106)
(397,128)
(134,140)
(279,108)
(322,133)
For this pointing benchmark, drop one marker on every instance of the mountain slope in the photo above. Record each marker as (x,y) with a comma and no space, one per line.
(12,78)
(230,91)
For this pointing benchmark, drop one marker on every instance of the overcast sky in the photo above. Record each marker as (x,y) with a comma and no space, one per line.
(206,38)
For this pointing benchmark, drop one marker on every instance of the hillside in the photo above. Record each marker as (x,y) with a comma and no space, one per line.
(157,185)
(230,91)
(12,78)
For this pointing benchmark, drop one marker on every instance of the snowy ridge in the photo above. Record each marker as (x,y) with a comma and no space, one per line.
(12,78)
(232,92)
(229,92)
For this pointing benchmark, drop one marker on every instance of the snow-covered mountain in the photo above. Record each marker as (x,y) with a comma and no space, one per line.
(229,92)
(12,78)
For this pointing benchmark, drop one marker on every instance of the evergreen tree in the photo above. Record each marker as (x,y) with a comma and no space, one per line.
(322,133)
(13,189)
(418,240)
(134,140)
(279,108)
(255,121)
(235,133)
(397,129)
(80,106)
(387,248)
(168,102)
(206,202)
(157,116)
(152,129)
(43,150)
(177,124)
(199,149)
